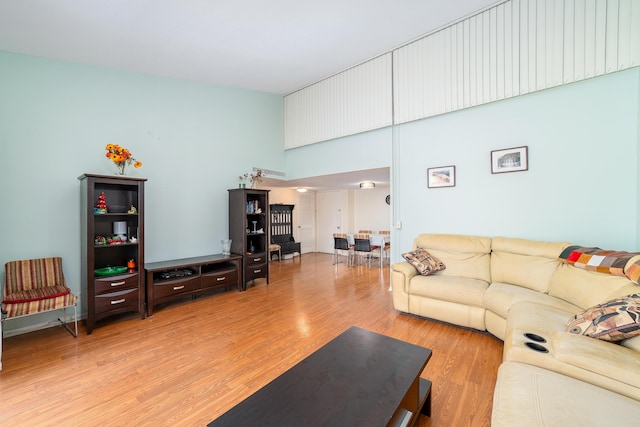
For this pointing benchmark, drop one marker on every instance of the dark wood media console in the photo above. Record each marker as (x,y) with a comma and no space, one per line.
(175,279)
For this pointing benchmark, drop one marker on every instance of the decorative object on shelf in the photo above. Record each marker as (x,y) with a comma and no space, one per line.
(133,210)
(120,230)
(116,240)
(109,271)
(131,265)
(243,180)
(132,233)
(252,178)
(510,160)
(226,247)
(442,176)
(121,157)
(101,205)
(100,240)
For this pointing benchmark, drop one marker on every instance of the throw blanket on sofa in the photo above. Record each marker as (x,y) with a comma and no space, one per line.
(602,261)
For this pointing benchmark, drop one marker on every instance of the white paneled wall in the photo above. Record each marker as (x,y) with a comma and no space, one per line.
(511,49)
(354,101)
(514,48)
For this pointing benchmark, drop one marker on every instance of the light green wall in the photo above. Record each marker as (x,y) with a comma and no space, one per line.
(368,150)
(582,182)
(194,140)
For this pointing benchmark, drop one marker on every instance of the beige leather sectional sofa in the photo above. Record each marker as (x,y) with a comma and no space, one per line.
(520,292)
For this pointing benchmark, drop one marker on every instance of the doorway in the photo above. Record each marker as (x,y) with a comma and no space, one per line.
(329,219)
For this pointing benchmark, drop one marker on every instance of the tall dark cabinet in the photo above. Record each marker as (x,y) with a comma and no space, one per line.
(249,231)
(112,246)
(282,229)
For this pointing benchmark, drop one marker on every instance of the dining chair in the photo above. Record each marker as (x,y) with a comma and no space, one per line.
(387,245)
(340,245)
(365,231)
(363,246)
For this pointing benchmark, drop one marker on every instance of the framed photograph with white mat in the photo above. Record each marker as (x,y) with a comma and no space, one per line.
(514,159)
(441,176)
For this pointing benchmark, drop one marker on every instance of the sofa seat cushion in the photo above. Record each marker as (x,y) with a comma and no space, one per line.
(616,362)
(499,298)
(527,395)
(460,290)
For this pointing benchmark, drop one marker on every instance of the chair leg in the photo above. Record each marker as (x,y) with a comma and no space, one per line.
(75,320)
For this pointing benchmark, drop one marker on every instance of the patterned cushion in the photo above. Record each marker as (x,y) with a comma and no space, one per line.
(15,310)
(423,261)
(614,320)
(36,294)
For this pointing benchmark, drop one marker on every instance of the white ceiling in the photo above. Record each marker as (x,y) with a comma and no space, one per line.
(275,46)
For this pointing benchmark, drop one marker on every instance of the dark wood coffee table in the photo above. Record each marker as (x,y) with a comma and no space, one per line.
(360,378)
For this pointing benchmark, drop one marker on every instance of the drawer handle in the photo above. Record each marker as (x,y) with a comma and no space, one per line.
(118,301)
(257,259)
(118,283)
(220,279)
(177,288)
(257,271)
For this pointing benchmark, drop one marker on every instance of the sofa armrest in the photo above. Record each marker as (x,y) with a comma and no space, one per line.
(405,268)
(601,357)
(401,274)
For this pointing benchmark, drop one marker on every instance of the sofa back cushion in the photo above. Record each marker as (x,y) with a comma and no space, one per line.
(586,288)
(464,256)
(526,263)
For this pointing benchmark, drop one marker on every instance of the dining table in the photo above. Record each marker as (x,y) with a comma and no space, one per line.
(375,240)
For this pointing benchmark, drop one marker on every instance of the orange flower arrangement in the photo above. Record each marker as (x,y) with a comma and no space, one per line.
(121,156)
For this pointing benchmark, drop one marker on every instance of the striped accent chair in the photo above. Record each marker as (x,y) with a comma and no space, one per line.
(35,286)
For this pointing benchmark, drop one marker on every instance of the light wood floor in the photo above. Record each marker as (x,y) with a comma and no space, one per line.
(193,360)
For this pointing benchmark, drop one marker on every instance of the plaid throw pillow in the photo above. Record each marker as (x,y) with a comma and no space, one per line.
(423,261)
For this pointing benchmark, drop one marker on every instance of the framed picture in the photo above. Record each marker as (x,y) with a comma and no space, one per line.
(442,176)
(509,160)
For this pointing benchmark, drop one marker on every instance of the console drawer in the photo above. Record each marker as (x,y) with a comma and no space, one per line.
(116,283)
(256,259)
(125,300)
(175,287)
(227,277)
(254,271)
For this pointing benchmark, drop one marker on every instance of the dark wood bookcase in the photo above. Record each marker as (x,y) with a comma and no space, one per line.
(249,231)
(282,229)
(106,295)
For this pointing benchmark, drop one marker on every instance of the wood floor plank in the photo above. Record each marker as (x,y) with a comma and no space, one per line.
(195,359)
